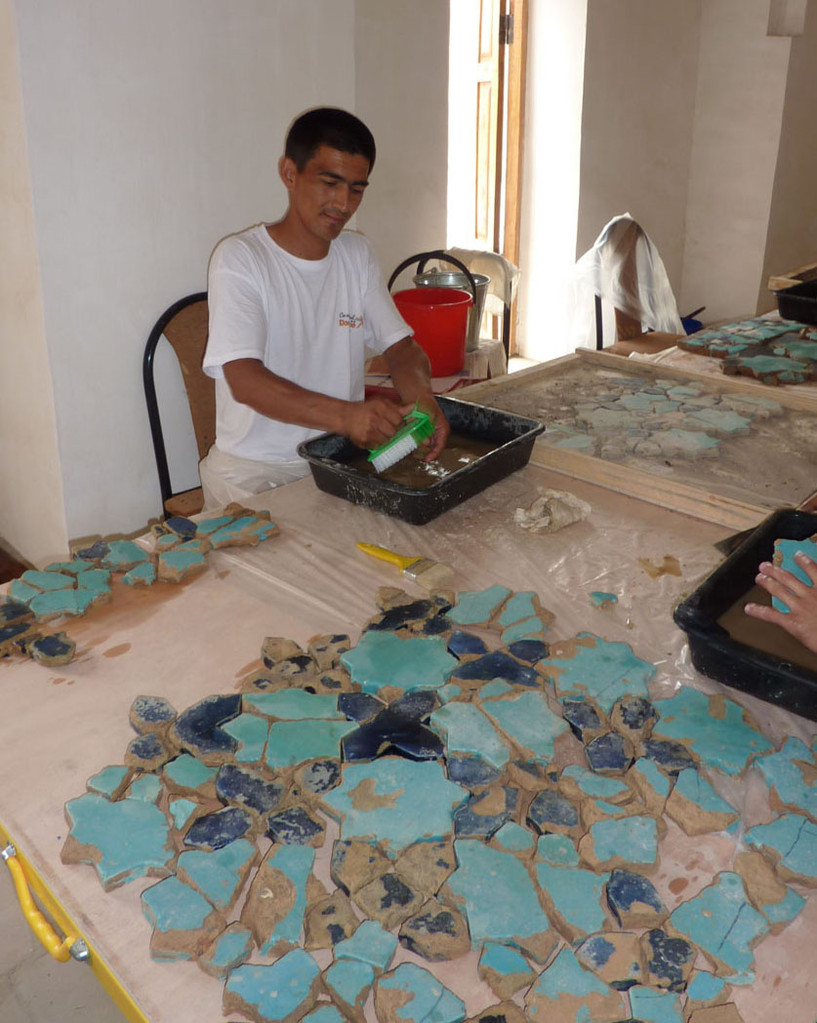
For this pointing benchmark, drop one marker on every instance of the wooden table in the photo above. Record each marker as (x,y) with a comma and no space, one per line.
(186,641)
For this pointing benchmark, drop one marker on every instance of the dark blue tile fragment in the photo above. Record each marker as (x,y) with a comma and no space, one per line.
(359,706)
(181,526)
(417,705)
(320,776)
(437,625)
(529,650)
(463,644)
(469,823)
(390,733)
(497,664)
(95,552)
(667,959)
(153,710)
(625,889)
(402,615)
(10,632)
(58,646)
(471,771)
(582,717)
(240,786)
(636,712)
(609,754)
(197,728)
(672,757)
(293,826)
(148,748)
(395,891)
(15,611)
(219,829)
(550,809)
(295,665)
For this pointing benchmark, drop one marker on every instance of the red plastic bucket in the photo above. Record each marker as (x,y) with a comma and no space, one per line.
(439,319)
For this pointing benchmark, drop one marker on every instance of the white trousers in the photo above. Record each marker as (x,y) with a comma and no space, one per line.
(227,478)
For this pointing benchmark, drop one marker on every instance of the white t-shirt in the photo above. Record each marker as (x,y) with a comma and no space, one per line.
(313,322)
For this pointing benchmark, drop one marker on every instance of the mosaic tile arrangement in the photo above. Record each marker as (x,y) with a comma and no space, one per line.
(432,748)
(70,588)
(771,351)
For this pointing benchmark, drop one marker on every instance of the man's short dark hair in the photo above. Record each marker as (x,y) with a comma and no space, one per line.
(328,126)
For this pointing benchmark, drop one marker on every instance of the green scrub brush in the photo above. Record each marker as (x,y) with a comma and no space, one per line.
(417,427)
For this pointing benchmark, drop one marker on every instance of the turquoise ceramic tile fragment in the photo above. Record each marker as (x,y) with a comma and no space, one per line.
(634,839)
(395,801)
(498,897)
(601,670)
(230,949)
(131,836)
(785,550)
(788,773)
(596,785)
(557,850)
(721,921)
(467,730)
(22,591)
(296,862)
(62,602)
(325,1013)
(577,894)
(147,786)
(528,721)
(601,598)
(497,687)
(350,981)
(218,875)
(793,839)
(189,773)
(236,531)
(566,974)
(250,732)
(279,991)
(476,606)
(523,630)
(71,567)
(503,960)
(207,526)
(384,659)
(425,999)
(704,987)
(512,837)
(784,911)
(140,575)
(181,811)
(715,729)
(180,562)
(652,775)
(172,905)
(653,1006)
(46,581)
(123,555)
(291,742)
(294,705)
(369,944)
(108,780)
(693,786)
(97,579)
(519,606)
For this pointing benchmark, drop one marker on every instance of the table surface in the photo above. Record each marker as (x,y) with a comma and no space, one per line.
(62,725)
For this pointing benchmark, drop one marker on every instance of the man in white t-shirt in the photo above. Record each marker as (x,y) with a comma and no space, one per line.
(296,308)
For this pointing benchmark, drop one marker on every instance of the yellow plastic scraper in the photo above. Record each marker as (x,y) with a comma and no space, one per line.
(431,575)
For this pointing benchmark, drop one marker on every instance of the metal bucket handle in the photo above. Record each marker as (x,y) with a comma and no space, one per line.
(423,257)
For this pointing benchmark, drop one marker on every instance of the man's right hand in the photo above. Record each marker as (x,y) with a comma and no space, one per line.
(372,422)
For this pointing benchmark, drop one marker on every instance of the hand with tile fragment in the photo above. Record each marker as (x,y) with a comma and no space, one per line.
(798,596)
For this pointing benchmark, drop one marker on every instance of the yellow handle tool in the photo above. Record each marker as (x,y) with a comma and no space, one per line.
(403,561)
(57,948)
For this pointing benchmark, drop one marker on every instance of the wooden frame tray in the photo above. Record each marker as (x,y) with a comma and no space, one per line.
(769,469)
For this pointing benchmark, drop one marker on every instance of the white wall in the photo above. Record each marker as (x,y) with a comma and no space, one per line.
(738,114)
(31,498)
(401,89)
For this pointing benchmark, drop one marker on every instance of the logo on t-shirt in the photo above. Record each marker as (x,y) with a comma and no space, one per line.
(350,320)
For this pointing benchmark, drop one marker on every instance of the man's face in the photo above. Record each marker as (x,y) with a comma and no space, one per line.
(324,196)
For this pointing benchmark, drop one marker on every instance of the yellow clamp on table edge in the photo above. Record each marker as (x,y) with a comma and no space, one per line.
(24,875)
(50,940)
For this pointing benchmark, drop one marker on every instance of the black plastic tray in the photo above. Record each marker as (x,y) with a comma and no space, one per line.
(329,454)
(716,654)
(799,302)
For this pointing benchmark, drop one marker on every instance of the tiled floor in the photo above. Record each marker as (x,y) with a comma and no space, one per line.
(34,988)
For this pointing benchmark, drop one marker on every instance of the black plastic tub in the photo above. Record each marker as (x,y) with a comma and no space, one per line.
(329,455)
(799,302)
(718,655)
